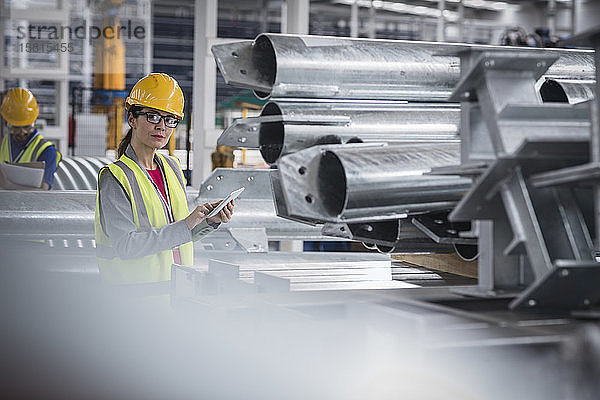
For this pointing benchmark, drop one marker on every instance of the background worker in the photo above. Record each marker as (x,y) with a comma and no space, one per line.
(24,143)
(143,224)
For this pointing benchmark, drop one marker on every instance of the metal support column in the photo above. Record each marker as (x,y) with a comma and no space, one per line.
(148,53)
(57,73)
(264,16)
(3,67)
(284,14)
(354,19)
(551,13)
(86,64)
(22,56)
(441,27)
(371,29)
(203,117)
(297,17)
(574,12)
(461,22)
(595,140)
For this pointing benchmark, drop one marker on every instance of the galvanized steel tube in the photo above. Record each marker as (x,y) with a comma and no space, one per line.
(366,182)
(352,183)
(278,66)
(306,124)
(570,91)
(285,126)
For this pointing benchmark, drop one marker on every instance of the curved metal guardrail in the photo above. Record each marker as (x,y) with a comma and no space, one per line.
(78,173)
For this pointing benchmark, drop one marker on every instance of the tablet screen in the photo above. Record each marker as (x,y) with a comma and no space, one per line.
(231,196)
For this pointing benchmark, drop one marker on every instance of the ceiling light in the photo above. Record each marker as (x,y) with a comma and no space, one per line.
(403,8)
(484,4)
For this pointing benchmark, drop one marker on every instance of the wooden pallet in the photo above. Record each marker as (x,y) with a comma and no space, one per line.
(451,263)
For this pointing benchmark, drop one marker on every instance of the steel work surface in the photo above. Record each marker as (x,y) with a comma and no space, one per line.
(482,348)
(351,344)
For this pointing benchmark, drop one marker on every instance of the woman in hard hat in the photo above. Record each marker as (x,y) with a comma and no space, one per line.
(24,144)
(143,224)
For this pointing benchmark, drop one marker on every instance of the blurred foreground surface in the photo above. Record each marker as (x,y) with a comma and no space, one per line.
(68,336)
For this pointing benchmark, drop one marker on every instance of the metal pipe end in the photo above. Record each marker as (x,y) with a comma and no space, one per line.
(566,91)
(264,60)
(552,92)
(331,184)
(245,65)
(271,134)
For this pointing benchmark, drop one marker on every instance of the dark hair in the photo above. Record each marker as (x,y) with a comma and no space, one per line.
(127,138)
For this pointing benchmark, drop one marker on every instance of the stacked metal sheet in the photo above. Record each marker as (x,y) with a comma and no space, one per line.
(304,271)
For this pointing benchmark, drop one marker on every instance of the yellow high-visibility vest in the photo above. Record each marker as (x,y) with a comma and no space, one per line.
(148,211)
(32,151)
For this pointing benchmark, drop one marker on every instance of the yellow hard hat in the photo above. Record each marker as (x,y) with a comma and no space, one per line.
(19,107)
(158,91)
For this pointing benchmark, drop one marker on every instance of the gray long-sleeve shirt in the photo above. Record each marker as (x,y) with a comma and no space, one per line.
(117,220)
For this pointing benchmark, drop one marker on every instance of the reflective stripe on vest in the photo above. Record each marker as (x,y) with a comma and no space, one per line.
(148,211)
(32,152)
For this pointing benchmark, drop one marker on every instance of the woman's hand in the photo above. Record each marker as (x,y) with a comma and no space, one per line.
(224,215)
(196,216)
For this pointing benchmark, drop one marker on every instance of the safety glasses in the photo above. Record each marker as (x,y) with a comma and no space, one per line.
(154,118)
(16,129)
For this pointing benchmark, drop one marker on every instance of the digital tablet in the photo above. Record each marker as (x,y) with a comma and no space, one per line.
(226,200)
